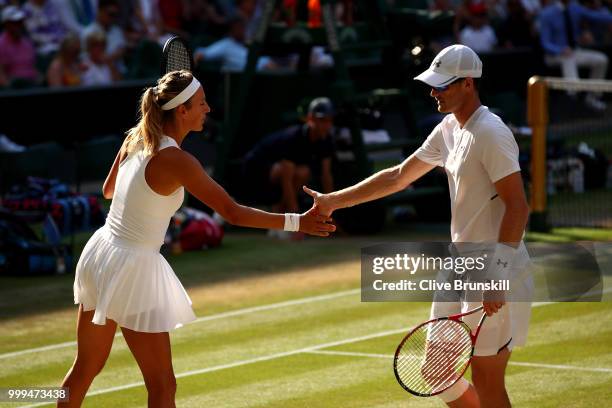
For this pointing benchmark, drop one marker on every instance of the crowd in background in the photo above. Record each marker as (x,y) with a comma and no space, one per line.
(95,42)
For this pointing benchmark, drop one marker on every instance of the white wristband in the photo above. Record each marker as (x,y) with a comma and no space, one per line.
(292,222)
(501,262)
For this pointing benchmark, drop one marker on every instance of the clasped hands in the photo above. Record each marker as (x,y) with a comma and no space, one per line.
(317,220)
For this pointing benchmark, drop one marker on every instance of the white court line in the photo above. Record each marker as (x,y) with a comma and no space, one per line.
(223,315)
(351,354)
(38,349)
(561,367)
(271,356)
(217,316)
(259,359)
(242,362)
(514,363)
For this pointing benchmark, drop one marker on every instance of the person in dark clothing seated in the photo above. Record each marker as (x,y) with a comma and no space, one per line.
(279,165)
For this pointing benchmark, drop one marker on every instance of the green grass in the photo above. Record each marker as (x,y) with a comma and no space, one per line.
(250,270)
(571,234)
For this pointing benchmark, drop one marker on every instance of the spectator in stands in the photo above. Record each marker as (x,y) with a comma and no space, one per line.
(227,7)
(66,69)
(124,18)
(98,69)
(287,12)
(108,12)
(127,9)
(463,14)
(44,26)
(251,11)
(230,51)
(17,53)
(441,5)
(595,34)
(76,14)
(277,166)
(146,23)
(478,34)
(518,29)
(173,15)
(531,7)
(156,20)
(205,17)
(346,12)
(559,35)
(440,41)
(496,9)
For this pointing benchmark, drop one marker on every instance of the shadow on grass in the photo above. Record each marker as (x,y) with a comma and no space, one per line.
(243,254)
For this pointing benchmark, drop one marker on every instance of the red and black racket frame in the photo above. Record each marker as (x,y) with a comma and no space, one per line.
(456,318)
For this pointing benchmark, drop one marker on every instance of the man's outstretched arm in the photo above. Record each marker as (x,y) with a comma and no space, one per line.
(378,185)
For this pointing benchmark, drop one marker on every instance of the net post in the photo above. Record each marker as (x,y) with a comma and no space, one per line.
(537,118)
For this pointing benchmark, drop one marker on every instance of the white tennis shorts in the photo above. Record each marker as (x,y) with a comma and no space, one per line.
(506,328)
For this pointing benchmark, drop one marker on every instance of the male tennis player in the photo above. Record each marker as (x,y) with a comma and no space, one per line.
(488,205)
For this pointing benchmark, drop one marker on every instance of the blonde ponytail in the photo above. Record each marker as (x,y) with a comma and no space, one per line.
(149,129)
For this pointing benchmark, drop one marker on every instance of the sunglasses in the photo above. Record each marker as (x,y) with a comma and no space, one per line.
(445,87)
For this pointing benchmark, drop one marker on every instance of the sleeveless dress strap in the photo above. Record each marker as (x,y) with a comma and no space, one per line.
(167,141)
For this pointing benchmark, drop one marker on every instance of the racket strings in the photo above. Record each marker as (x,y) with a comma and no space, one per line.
(433,367)
(178,57)
(434,356)
(436,370)
(435,364)
(442,348)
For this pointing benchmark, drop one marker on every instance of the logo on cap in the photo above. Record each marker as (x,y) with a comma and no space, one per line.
(437,63)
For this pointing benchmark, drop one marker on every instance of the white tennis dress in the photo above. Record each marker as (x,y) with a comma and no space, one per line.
(121,273)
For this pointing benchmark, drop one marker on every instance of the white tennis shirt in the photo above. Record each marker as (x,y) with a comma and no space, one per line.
(474,157)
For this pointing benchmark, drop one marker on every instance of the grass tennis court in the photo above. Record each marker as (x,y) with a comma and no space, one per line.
(281,325)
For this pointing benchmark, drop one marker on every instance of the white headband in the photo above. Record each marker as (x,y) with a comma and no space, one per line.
(182,97)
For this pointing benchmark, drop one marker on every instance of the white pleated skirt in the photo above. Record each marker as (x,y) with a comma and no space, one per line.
(131,284)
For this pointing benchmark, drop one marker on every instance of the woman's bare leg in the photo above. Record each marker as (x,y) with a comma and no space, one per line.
(154,357)
(94,343)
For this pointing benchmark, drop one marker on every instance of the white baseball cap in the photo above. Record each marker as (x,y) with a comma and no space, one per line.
(12,13)
(453,62)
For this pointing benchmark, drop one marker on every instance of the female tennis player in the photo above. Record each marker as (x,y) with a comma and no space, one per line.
(121,278)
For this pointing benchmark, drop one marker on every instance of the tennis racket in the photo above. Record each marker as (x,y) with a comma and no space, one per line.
(435,354)
(176,56)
